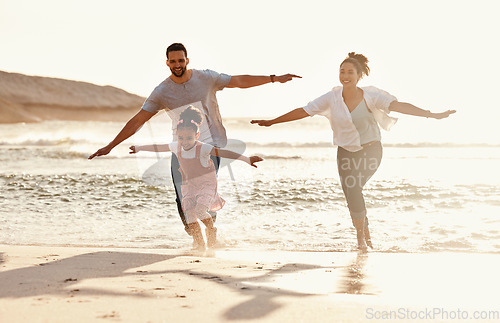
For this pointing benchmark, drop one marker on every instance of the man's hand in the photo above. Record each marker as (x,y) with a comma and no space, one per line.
(285,78)
(101,152)
(131,127)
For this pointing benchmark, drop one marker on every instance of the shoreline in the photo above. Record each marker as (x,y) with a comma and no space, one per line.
(244,250)
(60,284)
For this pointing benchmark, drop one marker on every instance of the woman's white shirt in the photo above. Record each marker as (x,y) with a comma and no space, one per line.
(332,106)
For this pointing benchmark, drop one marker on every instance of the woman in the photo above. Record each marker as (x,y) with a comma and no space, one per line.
(355,115)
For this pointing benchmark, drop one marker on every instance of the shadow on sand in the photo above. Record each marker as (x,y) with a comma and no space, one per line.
(56,278)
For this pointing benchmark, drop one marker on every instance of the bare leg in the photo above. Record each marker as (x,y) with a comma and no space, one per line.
(359,224)
(367,235)
(208,222)
(197,236)
(211,232)
(207,219)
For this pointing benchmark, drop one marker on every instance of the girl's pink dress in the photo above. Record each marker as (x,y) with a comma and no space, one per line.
(199,183)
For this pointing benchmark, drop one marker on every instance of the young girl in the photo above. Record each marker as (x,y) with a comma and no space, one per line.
(199,180)
(355,115)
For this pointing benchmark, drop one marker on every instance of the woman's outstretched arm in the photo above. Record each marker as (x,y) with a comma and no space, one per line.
(410,109)
(293,115)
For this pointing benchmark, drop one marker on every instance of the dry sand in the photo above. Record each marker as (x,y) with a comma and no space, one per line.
(69,284)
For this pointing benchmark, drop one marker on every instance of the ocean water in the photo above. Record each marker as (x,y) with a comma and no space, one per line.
(424,197)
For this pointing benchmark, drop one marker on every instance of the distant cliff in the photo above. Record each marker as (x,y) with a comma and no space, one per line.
(26,98)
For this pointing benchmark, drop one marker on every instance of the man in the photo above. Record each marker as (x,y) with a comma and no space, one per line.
(185,87)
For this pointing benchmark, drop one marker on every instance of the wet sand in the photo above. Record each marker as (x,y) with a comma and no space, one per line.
(69,284)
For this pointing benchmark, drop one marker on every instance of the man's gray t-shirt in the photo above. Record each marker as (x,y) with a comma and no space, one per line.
(199,92)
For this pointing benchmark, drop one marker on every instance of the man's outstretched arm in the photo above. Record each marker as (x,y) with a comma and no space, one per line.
(128,130)
(246,81)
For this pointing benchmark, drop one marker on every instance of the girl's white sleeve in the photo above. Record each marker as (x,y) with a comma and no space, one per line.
(173,147)
(205,154)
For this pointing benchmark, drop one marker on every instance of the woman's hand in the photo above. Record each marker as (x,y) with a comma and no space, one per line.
(255,159)
(133,150)
(263,123)
(442,115)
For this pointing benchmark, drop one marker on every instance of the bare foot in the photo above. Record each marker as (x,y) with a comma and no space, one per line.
(198,247)
(362,245)
(368,239)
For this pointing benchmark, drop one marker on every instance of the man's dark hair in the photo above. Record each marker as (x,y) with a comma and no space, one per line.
(175,47)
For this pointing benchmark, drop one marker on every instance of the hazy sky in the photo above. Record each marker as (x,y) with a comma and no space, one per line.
(435,54)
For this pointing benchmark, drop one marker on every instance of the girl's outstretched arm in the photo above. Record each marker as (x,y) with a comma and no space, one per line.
(293,115)
(232,155)
(410,109)
(155,148)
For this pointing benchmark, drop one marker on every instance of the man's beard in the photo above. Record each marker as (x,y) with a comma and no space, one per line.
(181,73)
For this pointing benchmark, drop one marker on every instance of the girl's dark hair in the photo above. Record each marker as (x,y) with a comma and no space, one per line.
(191,117)
(359,61)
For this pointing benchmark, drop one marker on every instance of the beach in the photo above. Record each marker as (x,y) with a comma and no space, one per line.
(70,284)
(101,240)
